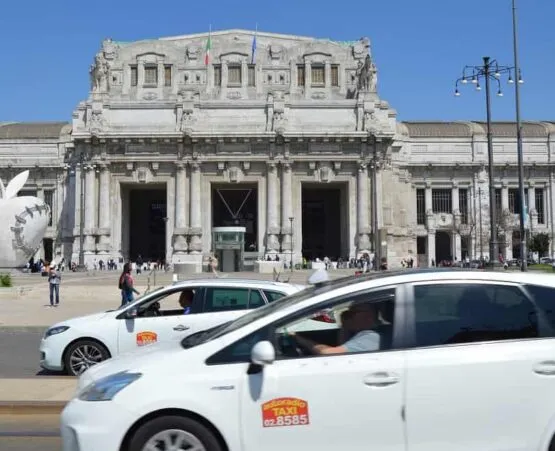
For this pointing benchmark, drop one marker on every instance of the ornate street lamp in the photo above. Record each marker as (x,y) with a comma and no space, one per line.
(291,223)
(488,72)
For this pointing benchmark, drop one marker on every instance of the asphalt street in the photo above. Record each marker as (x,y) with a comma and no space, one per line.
(30,433)
(19,354)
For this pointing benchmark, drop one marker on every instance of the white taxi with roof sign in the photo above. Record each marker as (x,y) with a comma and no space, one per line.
(419,356)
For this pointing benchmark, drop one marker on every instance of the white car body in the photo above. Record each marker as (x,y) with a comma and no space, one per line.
(497,394)
(119,333)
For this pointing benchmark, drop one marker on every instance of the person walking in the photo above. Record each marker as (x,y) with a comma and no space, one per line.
(126,285)
(54,279)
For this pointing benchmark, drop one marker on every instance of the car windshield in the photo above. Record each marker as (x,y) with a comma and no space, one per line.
(139,299)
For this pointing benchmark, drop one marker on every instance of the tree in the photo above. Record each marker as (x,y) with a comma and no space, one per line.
(539,243)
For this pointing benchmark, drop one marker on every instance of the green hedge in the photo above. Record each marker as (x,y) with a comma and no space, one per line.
(5,280)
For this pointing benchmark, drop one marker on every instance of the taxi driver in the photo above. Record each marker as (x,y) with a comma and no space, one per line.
(363,339)
(186,301)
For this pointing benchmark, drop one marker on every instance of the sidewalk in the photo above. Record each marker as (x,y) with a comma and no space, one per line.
(40,395)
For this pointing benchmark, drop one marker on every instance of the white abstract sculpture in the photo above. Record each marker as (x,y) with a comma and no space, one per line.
(23,222)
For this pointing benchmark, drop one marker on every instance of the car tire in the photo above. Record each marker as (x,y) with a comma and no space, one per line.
(83,354)
(174,427)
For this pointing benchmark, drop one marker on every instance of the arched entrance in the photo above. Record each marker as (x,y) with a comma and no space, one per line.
(443,247)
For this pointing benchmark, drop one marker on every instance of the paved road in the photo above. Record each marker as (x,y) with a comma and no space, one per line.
(19,354)
(30,433)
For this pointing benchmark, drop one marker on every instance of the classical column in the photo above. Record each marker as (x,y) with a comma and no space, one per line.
(272,231)
(327,74)
(286,205)
(431,247)
(104,209)
(428,198)
(90,209)
(180,240)
(195,230)
(504,197)
(533,215)
(455,236)
(307,79)
(363,209)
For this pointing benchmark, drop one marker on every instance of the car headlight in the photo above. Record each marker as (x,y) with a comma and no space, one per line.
(106,388)
(55,331)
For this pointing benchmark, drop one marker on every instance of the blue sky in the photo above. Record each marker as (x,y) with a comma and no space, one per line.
(419,46)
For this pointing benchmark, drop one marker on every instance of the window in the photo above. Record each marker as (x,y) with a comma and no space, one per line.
(318,75)
(252,76)
(316,326)
(49,200)
(300,75)
(151,75)
(255,299)
(24,193)
(234,75)
(441,201)
(539,205)
(514,200)
(273,295)
(217,75)
(421,206)
(469,313)
(167,75)
(545,300)
(134,76)
(168,304)
(463,205)
(335,75)
(227,299)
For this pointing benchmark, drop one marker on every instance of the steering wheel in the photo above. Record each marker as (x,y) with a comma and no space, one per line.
(153,309)
(288,346)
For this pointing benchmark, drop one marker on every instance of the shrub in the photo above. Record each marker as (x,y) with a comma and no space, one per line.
(5,280)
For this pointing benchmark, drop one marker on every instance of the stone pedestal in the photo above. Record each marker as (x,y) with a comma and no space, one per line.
(267,267)
(187,264)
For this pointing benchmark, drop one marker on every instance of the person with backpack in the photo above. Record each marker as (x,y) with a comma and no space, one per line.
(126,285)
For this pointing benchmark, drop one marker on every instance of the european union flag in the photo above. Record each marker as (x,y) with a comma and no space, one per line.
(253,57)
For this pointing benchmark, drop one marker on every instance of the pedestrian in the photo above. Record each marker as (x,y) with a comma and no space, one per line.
(54,279)
(125,284)
(213,261)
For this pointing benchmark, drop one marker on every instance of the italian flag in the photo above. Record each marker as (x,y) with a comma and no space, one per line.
(208,48)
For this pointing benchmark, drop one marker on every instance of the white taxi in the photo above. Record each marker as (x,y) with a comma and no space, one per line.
(76,344)
(435,360)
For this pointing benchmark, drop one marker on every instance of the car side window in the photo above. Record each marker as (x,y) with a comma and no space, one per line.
(468,313)
(223,299)
(240,351)
(273,295)
(545,300)
(255,299)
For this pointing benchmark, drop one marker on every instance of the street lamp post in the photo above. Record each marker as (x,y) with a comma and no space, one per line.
(522,213)
(291,225)
(489,71)
(82,213)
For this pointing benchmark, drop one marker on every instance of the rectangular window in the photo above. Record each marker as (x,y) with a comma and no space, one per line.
(318,75)
(49,200)
(442,201)
(167,75)
(134,76)
(217,75)
(151,75)
(300,75)
(252,76)
(234,75)
(24,193)
(463,205)
(226,299)
(421,206)
(335,75)
(514,200)
(540,205)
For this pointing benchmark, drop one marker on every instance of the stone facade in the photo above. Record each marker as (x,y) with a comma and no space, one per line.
(297,110)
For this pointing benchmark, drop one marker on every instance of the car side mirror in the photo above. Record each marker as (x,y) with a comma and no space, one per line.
(263,353)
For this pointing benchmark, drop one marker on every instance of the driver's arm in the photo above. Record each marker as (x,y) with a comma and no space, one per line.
(317,348)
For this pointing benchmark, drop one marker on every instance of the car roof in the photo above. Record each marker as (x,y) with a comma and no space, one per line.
(438,274)
(230,281)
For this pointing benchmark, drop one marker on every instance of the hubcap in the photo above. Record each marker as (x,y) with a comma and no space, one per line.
(174,440)
(84,357)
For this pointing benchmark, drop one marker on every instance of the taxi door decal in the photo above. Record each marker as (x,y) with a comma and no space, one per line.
(146,338)
(285,412)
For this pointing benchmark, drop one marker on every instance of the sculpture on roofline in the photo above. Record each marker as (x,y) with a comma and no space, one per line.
(99,72)
(23,223)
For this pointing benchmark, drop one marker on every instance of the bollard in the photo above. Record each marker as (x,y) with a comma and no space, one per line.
(174,278)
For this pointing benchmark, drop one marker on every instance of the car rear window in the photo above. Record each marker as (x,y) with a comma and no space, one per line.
(545,300)
(273,295)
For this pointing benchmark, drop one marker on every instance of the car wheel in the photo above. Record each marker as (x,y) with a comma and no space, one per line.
(83,354)
(173,432)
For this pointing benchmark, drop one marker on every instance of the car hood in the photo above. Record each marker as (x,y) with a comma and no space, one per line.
(79,320)
(156,355)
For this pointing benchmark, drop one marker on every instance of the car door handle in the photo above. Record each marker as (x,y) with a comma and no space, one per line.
(546,368)
(381,379)
(181,328)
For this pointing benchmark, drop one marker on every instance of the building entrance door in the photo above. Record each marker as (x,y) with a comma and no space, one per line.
(228,245)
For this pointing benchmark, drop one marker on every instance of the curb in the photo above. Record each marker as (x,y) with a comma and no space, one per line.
(23,329)
(32,407)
